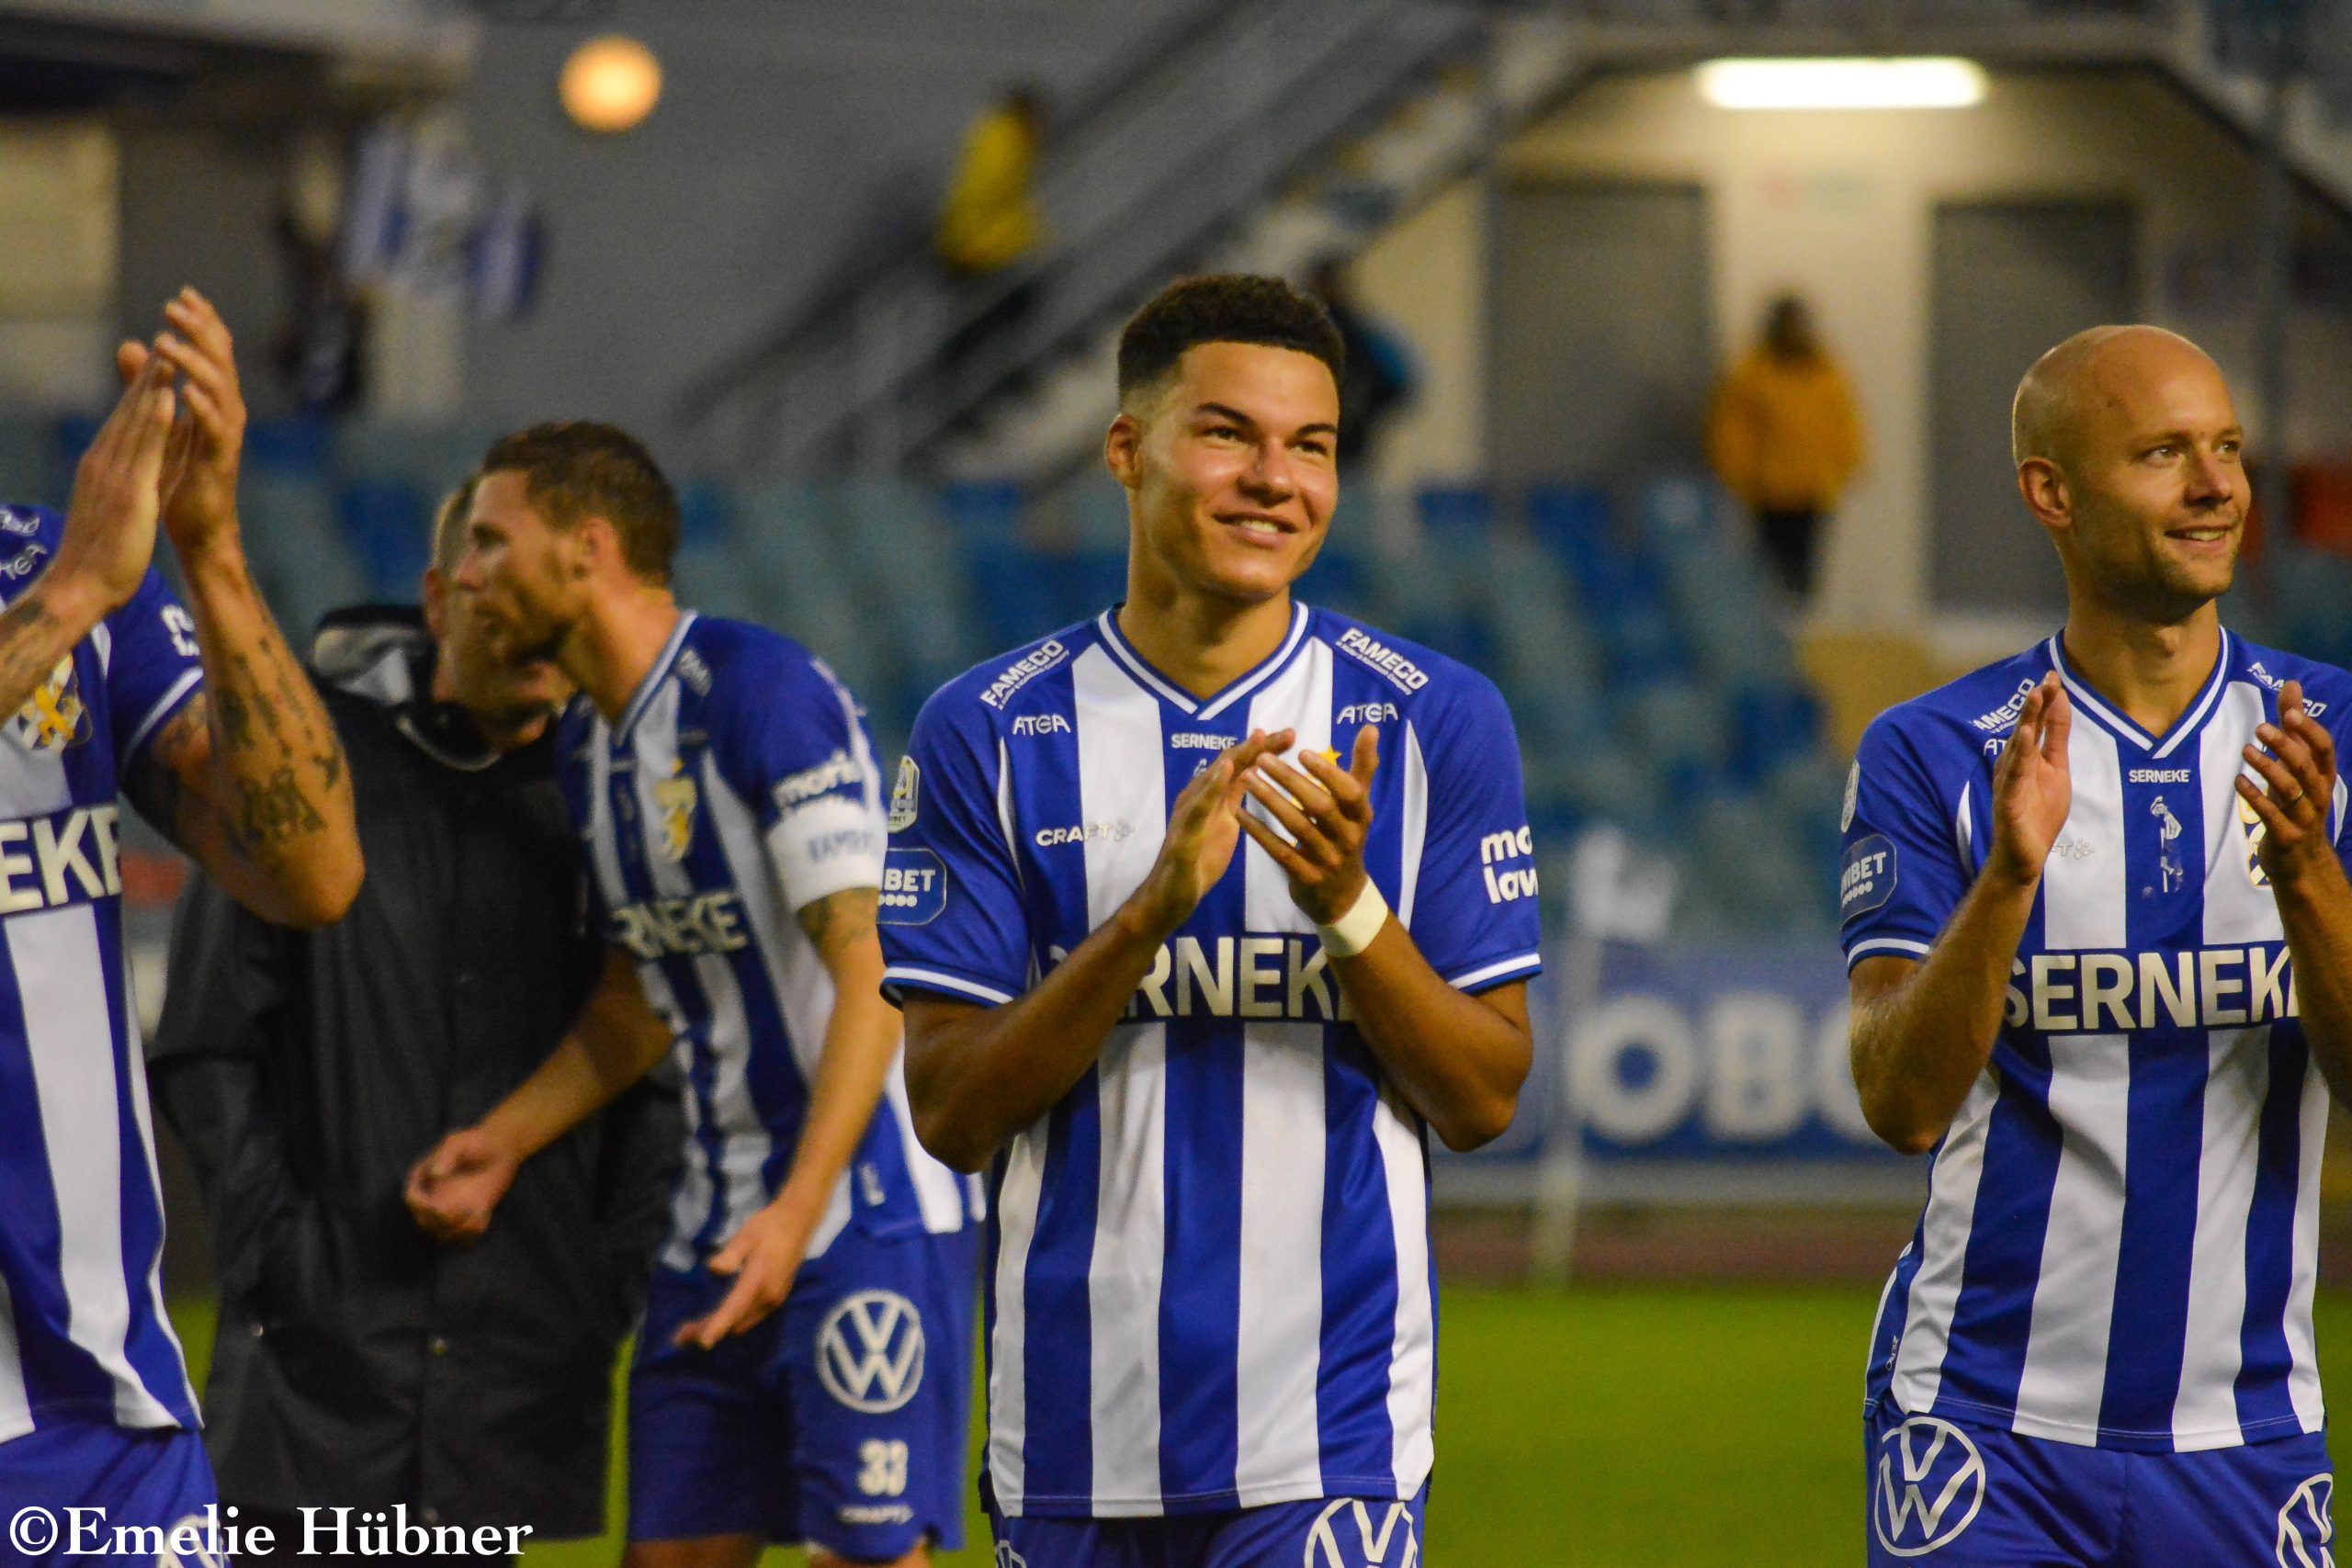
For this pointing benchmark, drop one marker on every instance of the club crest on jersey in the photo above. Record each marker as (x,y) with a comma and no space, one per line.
(906,795)
(55,717)
(2250,828)
(675,796)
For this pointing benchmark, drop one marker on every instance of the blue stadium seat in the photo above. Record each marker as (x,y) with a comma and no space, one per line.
(387,527)
(983,506)
(1455,509)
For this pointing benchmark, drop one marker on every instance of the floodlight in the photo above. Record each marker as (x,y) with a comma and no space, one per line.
(1924,83)
(610,83)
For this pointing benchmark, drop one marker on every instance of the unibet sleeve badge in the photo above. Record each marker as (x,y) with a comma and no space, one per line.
(914,888)
(1867,879)
(906,795)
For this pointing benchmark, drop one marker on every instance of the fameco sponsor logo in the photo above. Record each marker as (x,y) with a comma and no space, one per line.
(2160,775)
(2004,715)
(1365,713)
(1093,833)
(1930,1485)
(1017,675)
(2276,684)
(1402,672)
(2095,993)
(796,789)
(1041,724)
(1505,886)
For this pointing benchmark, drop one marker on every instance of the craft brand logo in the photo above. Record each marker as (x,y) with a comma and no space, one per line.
(1931,1485)
(2307,1525)
(870,1351)
(1345,1536)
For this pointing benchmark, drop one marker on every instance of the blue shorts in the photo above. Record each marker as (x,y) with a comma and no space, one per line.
(67,1490)
(840,1421)
(1961,1495)
(1323,1532)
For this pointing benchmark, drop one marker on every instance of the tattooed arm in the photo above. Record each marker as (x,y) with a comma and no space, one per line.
(109,536)
(249,778)
(860,1042)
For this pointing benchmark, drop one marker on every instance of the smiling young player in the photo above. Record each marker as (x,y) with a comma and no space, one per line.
(1198,987)
(2100,941)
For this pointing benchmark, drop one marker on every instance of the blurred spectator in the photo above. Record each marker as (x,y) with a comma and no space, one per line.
(360,1364)
(989,224)
(1784,437)
(319,346)
(1379,377)
(990,219)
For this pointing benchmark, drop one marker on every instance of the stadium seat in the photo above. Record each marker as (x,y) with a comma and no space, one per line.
(387,527)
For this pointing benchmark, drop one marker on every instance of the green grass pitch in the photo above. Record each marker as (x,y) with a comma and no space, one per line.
(1594,1429)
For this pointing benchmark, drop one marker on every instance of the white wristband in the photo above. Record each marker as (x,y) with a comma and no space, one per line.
(1353,931)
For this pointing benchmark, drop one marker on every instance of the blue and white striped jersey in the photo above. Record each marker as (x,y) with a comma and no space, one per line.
(1208,1282)
(738,788)
(83,1332)
(2121,1232)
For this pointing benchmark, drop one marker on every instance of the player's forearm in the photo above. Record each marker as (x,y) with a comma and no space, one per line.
(977,1076)
(2316,910)
(1459,1059)
(614,1043)
(861,1039)
(581,1075)
(1917,1048)
(42,626)
(281,790)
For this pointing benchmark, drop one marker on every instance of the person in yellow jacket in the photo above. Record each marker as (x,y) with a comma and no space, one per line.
(990,219)
(1783,436)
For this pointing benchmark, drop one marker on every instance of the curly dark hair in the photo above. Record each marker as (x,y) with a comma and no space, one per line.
(579,468)
(1223,308)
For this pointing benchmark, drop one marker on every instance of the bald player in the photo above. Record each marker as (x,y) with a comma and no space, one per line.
(2100,939)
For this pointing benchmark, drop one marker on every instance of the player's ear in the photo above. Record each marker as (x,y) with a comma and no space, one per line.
(2043,488)
(1122,449)
(436,603)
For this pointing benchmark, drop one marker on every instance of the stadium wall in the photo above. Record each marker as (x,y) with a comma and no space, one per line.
(1840,207)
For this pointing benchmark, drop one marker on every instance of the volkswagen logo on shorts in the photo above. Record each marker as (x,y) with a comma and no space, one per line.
(1930,1484)
(869,1351)
(2307,1524)
(1354,1533)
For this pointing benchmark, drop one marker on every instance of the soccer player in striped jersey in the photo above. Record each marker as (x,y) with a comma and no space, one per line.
(2100,935)
(800,1371)
(201,716)
(1203,913)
